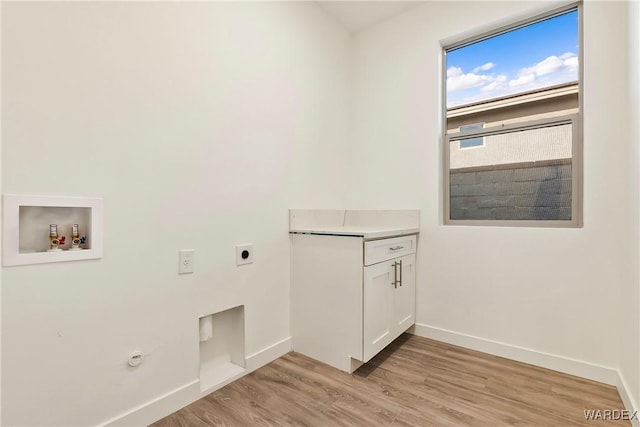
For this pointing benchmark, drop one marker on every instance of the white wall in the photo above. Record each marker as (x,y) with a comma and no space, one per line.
(199,124)
(553,291)
(630,295)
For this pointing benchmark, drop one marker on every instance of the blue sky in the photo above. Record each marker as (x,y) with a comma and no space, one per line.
(538,55)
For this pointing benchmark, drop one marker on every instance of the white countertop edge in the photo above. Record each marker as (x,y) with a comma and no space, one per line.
(364,232)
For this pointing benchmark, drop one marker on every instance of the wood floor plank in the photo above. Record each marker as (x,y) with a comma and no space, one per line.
(413,382)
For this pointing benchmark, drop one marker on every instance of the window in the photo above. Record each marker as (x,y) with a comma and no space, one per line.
(512,121)
(478,141)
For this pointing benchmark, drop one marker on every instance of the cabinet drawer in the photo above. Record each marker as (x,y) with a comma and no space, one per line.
(376,251)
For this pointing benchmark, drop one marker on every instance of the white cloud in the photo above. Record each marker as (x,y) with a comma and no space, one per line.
(567,64)
(522,80)
(548,65)
(466,81)
(484,67)
(457,80)
(497,84)
(572,64)
(454,71)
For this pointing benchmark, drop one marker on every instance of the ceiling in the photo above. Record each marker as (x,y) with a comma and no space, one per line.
(357,15)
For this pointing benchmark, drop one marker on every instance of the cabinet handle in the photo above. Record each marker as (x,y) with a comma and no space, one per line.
(395,275)
(395,248)
(400,262)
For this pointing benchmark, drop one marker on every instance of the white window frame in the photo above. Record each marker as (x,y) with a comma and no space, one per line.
(574,119)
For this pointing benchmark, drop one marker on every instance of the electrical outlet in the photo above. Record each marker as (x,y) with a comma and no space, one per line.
(244,254)
(186,261)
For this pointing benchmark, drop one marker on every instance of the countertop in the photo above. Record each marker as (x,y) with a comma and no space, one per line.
(365,231)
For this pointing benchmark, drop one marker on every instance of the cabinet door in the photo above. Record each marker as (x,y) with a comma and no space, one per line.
(378,308)
(404,310)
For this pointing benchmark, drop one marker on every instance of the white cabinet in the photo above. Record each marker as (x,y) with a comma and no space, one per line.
(389,302)
(350,297)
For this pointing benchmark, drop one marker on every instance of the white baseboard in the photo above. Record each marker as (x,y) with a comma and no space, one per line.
(603,374)
(182,396)
(269,354)
(627,400)
(158,408)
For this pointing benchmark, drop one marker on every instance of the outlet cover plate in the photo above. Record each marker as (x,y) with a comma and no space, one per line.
(186,261)
(244,254)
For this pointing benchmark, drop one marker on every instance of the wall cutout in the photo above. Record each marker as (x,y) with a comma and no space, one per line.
(28,222)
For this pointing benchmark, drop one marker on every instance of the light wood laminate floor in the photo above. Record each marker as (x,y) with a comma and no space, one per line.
(413,382)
